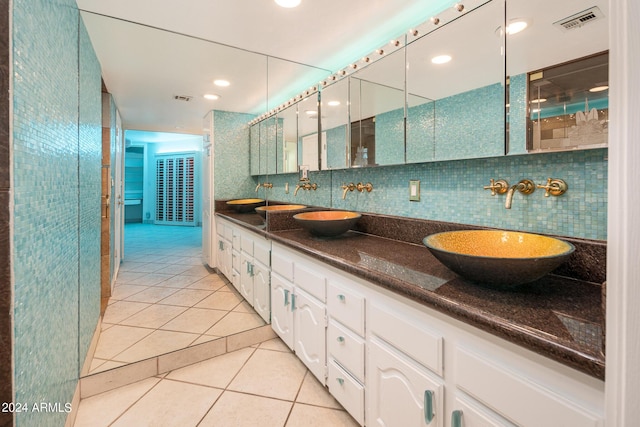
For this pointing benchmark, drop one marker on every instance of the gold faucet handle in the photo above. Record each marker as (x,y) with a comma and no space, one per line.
(362,187)
(497,187)
(555,187)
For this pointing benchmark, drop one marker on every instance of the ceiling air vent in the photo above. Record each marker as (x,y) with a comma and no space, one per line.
(185,98)
(579,19)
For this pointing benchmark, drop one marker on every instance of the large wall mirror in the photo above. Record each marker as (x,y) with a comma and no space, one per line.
(336,124)
(287,140)
(377,110)
(455,88)
(558,76)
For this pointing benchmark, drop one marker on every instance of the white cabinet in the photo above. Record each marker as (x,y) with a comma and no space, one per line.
(298,309)
(245,259)
(391,361)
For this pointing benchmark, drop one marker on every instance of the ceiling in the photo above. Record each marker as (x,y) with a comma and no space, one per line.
(153,50)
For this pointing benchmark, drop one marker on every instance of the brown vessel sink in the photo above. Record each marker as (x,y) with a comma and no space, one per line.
(498,258)
(245,205)
(327,223)
(262,210)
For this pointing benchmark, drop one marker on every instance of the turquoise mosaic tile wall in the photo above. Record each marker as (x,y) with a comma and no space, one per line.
(453,191)
(231,144)
(89,177)
(56,169)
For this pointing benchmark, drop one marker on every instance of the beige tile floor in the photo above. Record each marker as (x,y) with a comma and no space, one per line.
(264,385)
(164,298)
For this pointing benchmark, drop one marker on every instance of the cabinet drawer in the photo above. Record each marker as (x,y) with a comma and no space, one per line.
(517,397)
(262,252)
(228,232)
(313,283)
(246,243)
(347,391)
(282,265)
(346,306)
(347,348)
(405,333)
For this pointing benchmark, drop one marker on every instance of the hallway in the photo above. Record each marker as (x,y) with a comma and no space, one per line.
(165,299)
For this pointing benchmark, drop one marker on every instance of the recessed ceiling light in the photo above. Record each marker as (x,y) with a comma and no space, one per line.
(212,96)
(516,26)
(441,59)
(221,83)
(311,112)
(599,88)
(538,101)
(288,3)
(333,103)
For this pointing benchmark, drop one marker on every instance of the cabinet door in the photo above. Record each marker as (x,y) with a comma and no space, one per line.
(309,333)
(400,392)
(220,255)
(281,315)
(261,291)
(246,277)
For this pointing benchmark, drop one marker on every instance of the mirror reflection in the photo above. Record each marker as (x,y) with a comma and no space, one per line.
(464,77)
(335,123)
(310,154)
(287,140)
(551,35)
(377,101)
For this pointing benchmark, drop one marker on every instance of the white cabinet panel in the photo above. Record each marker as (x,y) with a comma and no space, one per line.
(400,392)
(347,348)
(346,305)
(516,397)
(413,337)
(281,315)
(282,264)
(306,277)
(246,277)
(261,293)
(309,332)
(347,391)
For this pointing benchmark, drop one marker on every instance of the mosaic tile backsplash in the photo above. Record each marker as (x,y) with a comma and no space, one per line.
(56,170)
(453,191)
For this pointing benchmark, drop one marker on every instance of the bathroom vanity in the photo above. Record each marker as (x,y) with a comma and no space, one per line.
(398,339)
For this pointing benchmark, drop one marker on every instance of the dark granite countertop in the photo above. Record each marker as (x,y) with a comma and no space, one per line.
(557,317)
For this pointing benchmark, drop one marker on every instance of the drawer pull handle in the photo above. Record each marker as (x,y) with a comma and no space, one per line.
(221,245)
(293,302)
(286,297)
(340,339)
(456,418)
(340,381)
(341,297)
(428,406)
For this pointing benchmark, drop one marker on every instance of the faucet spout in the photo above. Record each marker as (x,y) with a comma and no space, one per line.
(298,186)
(525,186)
(507,203)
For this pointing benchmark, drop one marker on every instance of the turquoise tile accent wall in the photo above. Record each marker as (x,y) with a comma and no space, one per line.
(453,191)
(56,228)
(231,144)
(90,173)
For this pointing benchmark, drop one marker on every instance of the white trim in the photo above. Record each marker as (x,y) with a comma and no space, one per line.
(623,266)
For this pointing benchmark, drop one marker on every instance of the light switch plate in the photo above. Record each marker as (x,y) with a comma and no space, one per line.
(414,190)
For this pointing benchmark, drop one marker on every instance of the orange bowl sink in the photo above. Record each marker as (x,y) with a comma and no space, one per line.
(262,210)
(327,223)
(497,257)
(245,205)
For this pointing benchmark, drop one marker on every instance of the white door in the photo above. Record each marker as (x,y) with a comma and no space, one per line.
(309,332)
(399,392)
(281,315)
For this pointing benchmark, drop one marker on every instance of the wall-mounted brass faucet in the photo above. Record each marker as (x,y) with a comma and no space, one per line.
(305,185)
(265,185)
(347,187)
(554,187)
(525,186)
